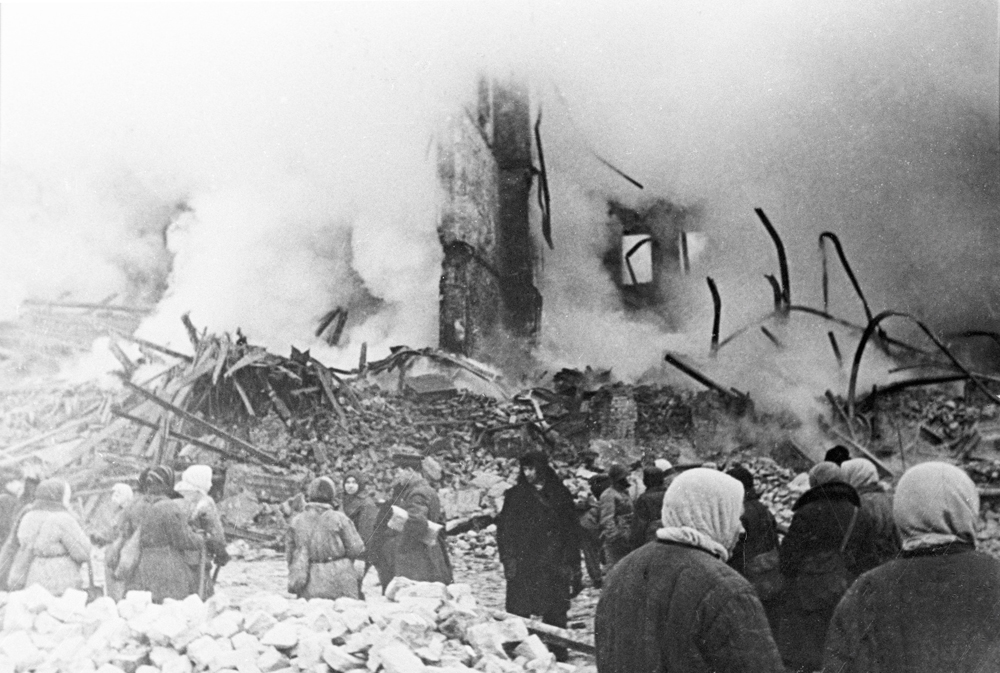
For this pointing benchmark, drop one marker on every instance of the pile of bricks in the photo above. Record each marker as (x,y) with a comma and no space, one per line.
(417,627)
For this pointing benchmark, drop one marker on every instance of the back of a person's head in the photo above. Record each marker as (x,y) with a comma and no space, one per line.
(837,455)
(652,477)
(745,477)
(599,483)
(935,503)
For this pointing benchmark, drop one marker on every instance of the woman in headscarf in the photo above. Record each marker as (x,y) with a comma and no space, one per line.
(674,604)
(203,517)
(538,540)
(937,607)
(53,539)
(876,503)
(164,537)
(361,509)
(829,543)
(321,545)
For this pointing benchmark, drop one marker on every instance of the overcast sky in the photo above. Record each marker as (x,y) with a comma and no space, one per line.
(297,138)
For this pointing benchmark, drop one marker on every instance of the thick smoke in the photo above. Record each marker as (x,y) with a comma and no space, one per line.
(285,153)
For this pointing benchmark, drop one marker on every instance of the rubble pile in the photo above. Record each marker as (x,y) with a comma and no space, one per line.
(418,627)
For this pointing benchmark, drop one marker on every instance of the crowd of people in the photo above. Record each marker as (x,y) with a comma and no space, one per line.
(863,581)
(694,573)
(166,536)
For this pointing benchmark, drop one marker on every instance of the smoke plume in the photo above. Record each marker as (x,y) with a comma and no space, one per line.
(260,165)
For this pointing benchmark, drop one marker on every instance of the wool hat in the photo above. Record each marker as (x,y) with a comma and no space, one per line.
(322,490)
(617,472)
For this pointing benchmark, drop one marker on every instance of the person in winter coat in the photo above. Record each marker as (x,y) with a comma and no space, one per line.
(321,545)
(674,604)
(937,607)
(362,511)
(815,573)
(415,551)
(648,507)
(203,517)
(761,529)
(538,542)
(358,505)
(164,539)
(590,528)
(53,539)
(616,518)
(876,503)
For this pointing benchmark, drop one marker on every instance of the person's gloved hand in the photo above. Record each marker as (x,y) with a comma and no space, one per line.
(222,557)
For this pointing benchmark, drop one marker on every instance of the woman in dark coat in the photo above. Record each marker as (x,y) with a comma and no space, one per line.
(820,521)
(538,541)
(760,528)
(674,604)
(358,505)
(164,537)
(936,608)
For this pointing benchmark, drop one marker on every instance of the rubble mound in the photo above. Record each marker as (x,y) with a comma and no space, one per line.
(417,627)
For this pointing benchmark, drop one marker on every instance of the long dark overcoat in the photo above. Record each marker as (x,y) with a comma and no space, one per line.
(935,609)
(538,538)
(820,520)
(669,607)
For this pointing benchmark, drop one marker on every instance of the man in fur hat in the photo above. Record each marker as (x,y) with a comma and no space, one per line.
(413,549)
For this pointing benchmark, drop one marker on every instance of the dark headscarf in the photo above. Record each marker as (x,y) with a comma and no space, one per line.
(540,462)
(353,501)
(158,480)
(322,490)
(652,477)
(745,477)
(837,455)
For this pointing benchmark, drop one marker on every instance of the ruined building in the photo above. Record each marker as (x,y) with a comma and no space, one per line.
(490,262)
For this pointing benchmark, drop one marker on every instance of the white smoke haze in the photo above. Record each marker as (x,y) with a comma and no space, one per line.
(288,145)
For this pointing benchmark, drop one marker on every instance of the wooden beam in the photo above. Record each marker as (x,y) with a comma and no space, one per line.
(262,456)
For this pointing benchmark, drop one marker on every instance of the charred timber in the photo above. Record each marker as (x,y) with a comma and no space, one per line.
(776,291)
(786,287)
(773,339)
(871,330)
(836,348)
(261,456)
(741,402)
(716,313)
(832,237)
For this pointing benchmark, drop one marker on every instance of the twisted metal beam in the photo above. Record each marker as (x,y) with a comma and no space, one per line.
(870,330)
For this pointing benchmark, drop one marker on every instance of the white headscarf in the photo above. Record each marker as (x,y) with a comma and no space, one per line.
(935,503)
(859,473)
(702,508)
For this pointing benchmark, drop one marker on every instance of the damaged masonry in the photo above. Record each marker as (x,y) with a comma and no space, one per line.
(900,393)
